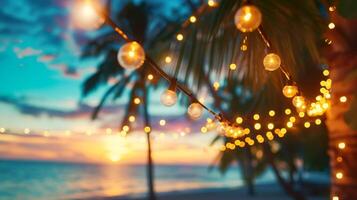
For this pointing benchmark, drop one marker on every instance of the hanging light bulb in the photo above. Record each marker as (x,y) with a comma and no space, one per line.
(168,98)
(290,91)
(131,55)
(248,18)
(299,101)
(195,111)
(85,15)
(271,62)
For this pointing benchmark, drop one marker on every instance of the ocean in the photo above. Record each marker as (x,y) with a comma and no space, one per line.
(27,180)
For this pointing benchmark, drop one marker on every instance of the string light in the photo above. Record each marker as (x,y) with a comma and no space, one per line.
(131,55)
(85,16)
(179,37)
(239,120)
(271,113)
(307,124)
(339,175)
(168,59)
(248,18)
(216,85)
(162,122)
(256,116)
(126,128)
(290,91)
(271,62)
(212,3)
(343,99)
(150,77)
(2,130)
(193,19)
(137,100)
(331,25)
(168,98)
(195,111)
(233,66)
(131,118)
(341,145)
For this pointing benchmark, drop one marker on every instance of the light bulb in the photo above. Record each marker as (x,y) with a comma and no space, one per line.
(248,18)
(85,16)
(298,101)
(168,98)
(195,111)
(271,62)
(131,55)
(290,91)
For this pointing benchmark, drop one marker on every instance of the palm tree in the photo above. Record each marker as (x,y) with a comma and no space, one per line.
(135,19)
(341,120)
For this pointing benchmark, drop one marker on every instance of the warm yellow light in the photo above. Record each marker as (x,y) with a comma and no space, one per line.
(114,157)
(131,118)
(343,99)
(216,85)
(283,130)
(248,18)
(204,130)
(131,55)
(287,111)
(239,120)
(232,66)
(243,47)
(84,15)
(147,129)
(270,135)
(168,98)
(260,138)
(292,119)
(150,77)
(195,111)
(335,198)
(339,159)
(257,126)
(137,100)
(271,62)
(298,101)
(317,121)
(223,148)
(301,114)
(193,19)
(246,131)
(162,122)
(179,37)
(341,145)
(290,91)
(212,3)
(331,9)
(168,59)
(289,124)
(256,116)
(331,25)
(270,126)
(126,128)
(326,72)
(339,175)
(271,113)
(2,130)
(307,124)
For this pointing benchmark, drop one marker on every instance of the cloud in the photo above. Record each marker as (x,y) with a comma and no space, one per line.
(82,111)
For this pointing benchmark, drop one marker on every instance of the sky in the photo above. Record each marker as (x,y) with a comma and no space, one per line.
(42,114)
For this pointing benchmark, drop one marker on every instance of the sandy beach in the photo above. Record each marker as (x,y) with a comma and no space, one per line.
(263,192)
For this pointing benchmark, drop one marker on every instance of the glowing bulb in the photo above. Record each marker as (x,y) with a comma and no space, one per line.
(307,124)
(341,145)
(216,85)
(271,113)
(195,111)
(339,175)
(248,18)
(147,129)
(212,3)
(331,25)
(271,62)
(326,72)
(193,19)
(168,59)
(256,117)
(168,98)
(270,126)
(232,66)
(131,55)
(287,111)
(204,130)
(137,100)
(150,77)
(162,122)
(85,16)
(239,120)
(343,99)
(289,124)
(179,37)
(257,126)
(298,101)
(331,9)
(2,130)
(131,118)
(335,198)
(290,91)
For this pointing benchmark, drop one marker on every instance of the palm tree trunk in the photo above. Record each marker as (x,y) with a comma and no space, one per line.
(288,188)
(342,59)
(150,164)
